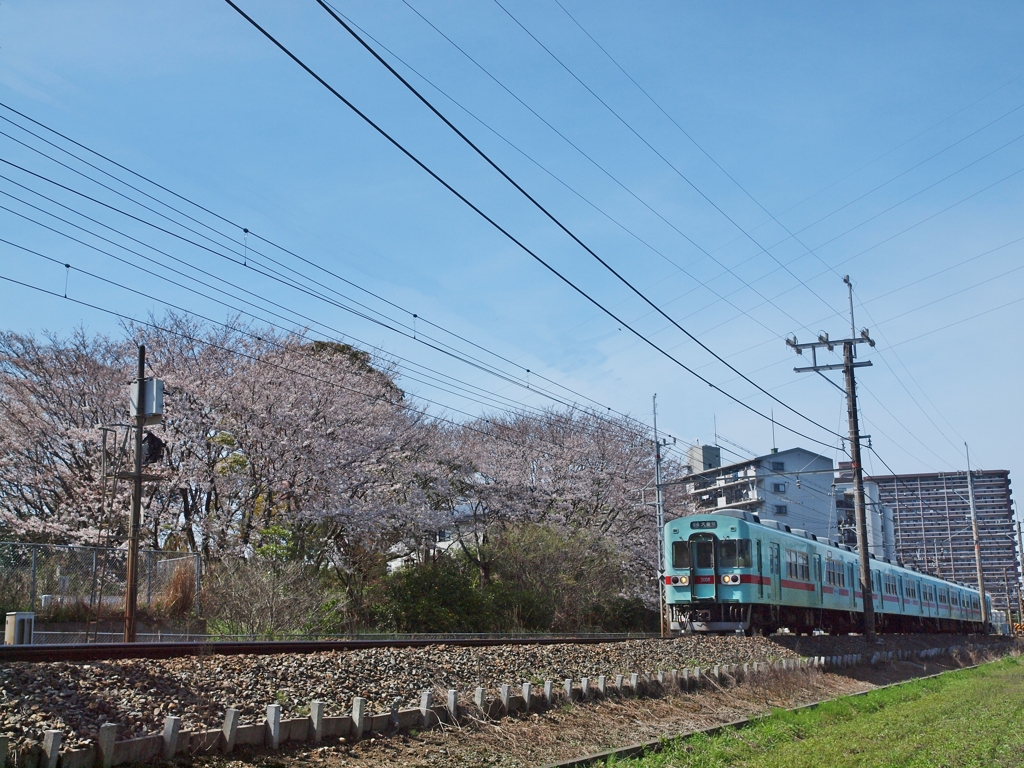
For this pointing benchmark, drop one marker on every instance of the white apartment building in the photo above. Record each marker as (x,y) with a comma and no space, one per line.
(793,487)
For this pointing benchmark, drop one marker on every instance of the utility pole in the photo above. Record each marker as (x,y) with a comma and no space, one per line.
(977,540)
(659,507)
(147,405)
(847,366)
(131,593)
(1020,591)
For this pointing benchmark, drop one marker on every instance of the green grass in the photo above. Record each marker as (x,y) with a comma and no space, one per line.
(970,717)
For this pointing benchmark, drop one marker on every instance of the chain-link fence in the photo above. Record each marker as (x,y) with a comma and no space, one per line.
(74,584)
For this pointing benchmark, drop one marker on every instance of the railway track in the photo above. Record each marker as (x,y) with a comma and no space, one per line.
(113,651)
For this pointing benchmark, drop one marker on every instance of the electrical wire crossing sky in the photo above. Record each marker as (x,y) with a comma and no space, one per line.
(527,204)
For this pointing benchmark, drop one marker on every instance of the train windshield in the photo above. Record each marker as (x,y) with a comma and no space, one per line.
(734,553)
(705,553)
(680,554)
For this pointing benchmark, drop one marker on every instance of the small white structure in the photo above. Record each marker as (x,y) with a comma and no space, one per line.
(152,401)
(20,628)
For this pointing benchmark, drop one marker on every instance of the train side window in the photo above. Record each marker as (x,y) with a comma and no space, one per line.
(734,553)
(798,565)
(705,554)
(680,554)
(835,573)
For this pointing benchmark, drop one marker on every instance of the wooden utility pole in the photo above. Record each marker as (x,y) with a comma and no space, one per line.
(847,366)
(131,592)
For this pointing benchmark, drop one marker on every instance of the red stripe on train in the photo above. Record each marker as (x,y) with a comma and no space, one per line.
(787,584)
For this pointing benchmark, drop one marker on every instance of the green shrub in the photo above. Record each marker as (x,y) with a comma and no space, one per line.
(438,596)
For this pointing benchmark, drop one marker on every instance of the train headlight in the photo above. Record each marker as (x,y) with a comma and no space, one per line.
(684,580)
(726,579)
(731,578)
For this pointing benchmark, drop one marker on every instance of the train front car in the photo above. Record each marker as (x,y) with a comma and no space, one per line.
(714,573)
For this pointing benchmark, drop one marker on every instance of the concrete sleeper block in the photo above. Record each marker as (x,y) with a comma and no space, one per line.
(105,745)
(274,725)
(172,725)
(506,693)
(527,690)
(585,687)
(51,748)
(230,729)
(358,717)
(480,699)
(549,692)
(316,719)
(426,709)
(453,706)
(602,685)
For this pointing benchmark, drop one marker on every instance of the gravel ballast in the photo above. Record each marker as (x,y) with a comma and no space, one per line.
(138,694)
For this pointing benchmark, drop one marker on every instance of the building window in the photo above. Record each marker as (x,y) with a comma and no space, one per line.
(781,509)
(778,466)
(778,487)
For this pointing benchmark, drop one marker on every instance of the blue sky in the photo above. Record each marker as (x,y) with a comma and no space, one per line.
(883,135)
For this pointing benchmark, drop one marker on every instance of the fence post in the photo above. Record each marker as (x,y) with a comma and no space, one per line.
(199,571)
(32,593)
(92,586)
(149,579)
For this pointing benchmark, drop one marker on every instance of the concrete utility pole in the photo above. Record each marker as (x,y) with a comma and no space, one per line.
(977,540)
(131,593)
(1020,590)
(659,507)
(847,367)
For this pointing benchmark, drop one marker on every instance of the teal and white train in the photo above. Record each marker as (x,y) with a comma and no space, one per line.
(730,571)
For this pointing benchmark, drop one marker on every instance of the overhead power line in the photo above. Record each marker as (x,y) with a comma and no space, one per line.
(709,254)
(449,351)
(419,337)
(533,200)
(262,361)
(670,164)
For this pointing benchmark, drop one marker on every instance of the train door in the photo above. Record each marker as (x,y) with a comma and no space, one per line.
(852,581)
(760,571)
(705,573)
(775,573)
(817,578)
(899,593)
(876,590)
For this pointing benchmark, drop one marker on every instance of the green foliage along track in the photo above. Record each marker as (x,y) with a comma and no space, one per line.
(971,717)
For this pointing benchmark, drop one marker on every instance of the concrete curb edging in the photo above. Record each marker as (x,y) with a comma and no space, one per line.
(640,749)
(274,731)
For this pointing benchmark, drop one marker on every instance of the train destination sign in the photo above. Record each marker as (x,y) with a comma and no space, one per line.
(704,524)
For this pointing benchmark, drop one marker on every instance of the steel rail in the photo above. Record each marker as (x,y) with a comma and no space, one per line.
(113,651)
